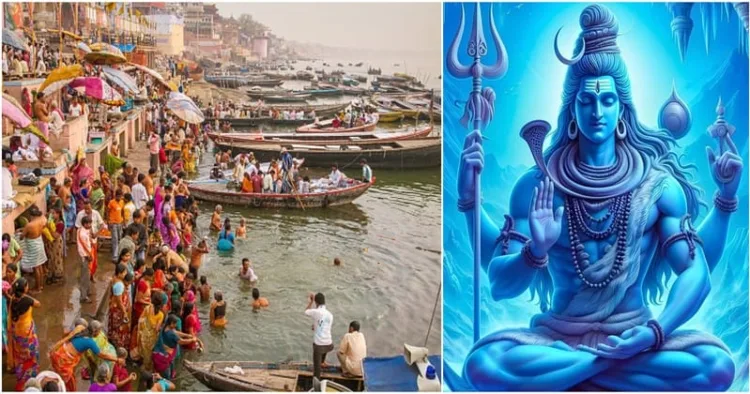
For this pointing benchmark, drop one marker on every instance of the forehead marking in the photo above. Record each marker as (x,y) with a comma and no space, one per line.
(598,85)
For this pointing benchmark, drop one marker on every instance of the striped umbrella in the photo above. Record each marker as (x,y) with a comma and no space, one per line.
(60,77)
(121,79)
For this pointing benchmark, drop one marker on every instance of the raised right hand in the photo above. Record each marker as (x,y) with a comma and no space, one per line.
(471,162)
(544,223)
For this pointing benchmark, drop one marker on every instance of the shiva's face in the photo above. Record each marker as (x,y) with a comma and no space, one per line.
(597,108)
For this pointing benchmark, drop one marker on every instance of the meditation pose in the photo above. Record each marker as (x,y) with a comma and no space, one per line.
(595,231)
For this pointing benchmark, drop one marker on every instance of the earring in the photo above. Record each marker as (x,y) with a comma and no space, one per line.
(622,132)
(572,130)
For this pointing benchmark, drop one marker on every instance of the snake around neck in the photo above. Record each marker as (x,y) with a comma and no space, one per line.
(587,182)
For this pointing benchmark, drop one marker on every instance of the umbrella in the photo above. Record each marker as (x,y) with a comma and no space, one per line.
(157,77)
(103,53)
(13,111)
(60,77)
(121,79)
(67,34)
(81,46)
(177,96)
(13,39)
(184,108)
(98,89)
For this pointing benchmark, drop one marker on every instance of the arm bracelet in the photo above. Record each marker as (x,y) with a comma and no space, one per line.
(687,233)
(531,260)
(658,333)
(724,204)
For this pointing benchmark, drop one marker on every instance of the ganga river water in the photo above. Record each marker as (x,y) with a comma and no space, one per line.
(388,241)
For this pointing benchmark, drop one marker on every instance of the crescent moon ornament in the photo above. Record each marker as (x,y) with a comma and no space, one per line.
(576,58)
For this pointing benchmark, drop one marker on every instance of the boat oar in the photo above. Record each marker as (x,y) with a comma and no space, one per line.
(294,191)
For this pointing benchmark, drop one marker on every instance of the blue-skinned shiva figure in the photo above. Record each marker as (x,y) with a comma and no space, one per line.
(595,231)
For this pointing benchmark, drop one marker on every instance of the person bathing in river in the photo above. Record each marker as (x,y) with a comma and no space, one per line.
(204,289)
(246,271)
(258,301)
(226,238)
(196,257)
(218,311)
(242,229)
(216,219)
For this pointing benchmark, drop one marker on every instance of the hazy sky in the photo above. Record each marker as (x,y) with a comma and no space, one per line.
(396,26)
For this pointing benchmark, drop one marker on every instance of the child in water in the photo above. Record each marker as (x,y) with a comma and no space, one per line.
(241,230)
(204,289)
(246,272)
(258,301)
(218,311)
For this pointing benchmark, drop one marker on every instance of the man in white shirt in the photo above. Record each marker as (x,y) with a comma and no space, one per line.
(335,176)
(139,193)
(352,351)
(322,322)
(97,223)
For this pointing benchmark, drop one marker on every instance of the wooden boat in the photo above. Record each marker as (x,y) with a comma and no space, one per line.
(321,92)
(218,191)
(264,82)
(405,154)
(264,377)
(260,121)
(387,116)
(354,91)
(320,138)
(325,126)
(321,110)
(290,98)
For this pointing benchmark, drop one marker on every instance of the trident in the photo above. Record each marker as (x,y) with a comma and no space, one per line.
(479,111)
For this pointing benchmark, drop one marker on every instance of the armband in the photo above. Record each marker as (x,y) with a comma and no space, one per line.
(687,233)
(509,233)
(466,205)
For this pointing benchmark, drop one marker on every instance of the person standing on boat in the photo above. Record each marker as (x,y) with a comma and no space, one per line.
(352,351)
(366,171)
(287,165)
(322,322)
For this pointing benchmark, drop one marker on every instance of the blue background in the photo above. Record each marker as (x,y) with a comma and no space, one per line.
(531,90)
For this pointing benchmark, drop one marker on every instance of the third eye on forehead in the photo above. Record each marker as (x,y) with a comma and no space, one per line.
(598,85)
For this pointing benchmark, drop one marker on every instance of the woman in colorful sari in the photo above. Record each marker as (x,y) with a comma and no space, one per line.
(119,309)
(81,174)
(53,239)
(23,356)
(107,186)
(169,234)
(6,301)
(191,323)
(105,347)
(149,326)
(67,353)
(158,203)
(98,197)
(190,298)
(165,351)
(142,295)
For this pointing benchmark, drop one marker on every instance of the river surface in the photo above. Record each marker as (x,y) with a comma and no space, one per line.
(388,241)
